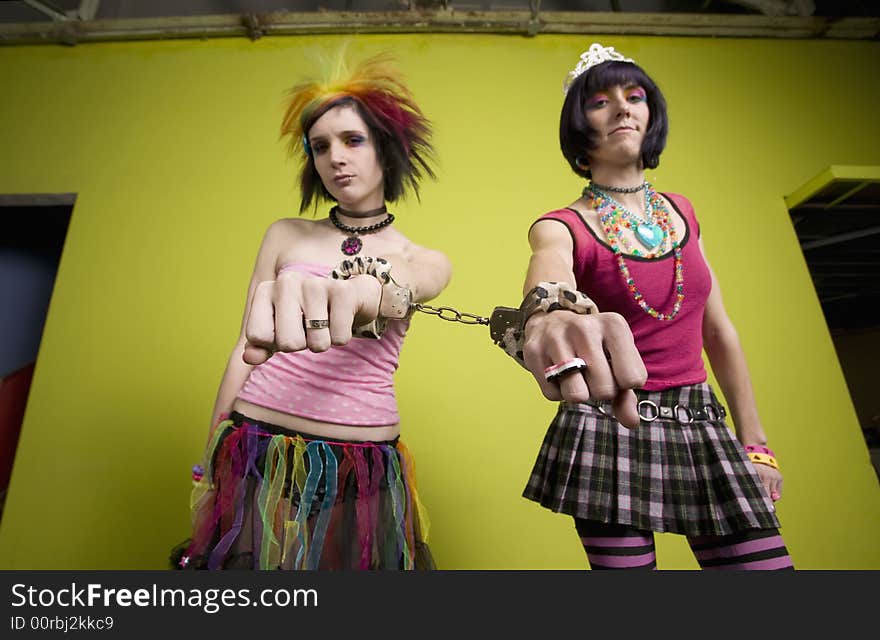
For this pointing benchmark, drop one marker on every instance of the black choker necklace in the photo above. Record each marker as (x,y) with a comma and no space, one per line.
(605,187)
(352,244)
(372,213)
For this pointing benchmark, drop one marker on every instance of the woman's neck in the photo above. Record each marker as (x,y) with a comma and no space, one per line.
(356,216)
(622,177)
(360,218)
(628,176)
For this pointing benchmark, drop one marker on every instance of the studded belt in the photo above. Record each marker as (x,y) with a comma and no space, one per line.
(684,414)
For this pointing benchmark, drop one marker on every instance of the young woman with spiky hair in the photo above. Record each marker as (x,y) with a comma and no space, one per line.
(304,467)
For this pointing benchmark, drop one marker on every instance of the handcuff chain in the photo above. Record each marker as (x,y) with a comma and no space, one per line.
(451,315)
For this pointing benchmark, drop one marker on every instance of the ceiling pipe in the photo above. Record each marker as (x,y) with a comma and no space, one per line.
(527,22)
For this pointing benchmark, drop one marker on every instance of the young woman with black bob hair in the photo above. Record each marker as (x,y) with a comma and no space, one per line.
(304,468)
(575,133)
(622,303)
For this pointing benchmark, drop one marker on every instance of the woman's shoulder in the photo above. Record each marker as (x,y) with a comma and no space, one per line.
(571,211)
(284,234)
(287,227)
(680,201)
(412,249)
(575,216)
(684,207)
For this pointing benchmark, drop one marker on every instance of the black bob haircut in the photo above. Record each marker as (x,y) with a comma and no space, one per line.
(403,162)
(577,138)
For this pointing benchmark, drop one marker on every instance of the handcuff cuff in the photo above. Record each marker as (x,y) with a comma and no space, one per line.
(506,324)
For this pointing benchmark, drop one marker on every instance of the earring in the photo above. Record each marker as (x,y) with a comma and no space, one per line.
(581,163)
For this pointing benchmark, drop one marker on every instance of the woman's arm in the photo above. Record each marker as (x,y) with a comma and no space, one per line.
(237,370)
(728,362)
(425,272)
(552,255)
(604,340)
(234,377)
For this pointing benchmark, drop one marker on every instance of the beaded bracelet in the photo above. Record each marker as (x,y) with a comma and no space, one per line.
(763,458)
(546,297)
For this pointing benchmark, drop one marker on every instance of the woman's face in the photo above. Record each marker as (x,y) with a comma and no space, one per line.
(346,159)
(619,116)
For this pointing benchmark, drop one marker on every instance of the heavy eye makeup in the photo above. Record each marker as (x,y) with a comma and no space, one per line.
(318,146)
(636,94)
(350,139)
(633,94)
(597,101)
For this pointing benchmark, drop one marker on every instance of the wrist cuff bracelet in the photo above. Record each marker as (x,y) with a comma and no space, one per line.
(507,325)
(763,458)
(395,301)
(757,448)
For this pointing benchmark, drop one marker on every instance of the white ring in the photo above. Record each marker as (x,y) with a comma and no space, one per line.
(556,370)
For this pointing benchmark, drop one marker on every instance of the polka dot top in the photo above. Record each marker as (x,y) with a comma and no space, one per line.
(351,384)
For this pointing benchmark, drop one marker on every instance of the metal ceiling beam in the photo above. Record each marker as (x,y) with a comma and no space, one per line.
(817,207)
(46,9)
(847,296)
(835,173)
(88,9)
(855,279)
(841,237)
(36,199)
(834,264)
(846,196)
(779,7)
(252,24)
(442,21)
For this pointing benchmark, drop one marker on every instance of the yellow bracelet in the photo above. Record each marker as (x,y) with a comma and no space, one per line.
(763,458)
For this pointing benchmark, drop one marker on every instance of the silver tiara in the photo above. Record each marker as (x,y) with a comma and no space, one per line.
(596,54)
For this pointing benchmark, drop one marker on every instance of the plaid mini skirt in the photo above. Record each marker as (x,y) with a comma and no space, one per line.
(271,498)
(682,474)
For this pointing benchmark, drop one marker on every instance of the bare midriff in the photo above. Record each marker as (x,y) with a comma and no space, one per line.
(320,430)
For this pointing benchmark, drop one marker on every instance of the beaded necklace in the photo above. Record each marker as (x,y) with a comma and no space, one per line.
(652,233)
(615,217)
(352,244)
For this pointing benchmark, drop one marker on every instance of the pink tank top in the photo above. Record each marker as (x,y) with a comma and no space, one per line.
(671,350)
(349,385)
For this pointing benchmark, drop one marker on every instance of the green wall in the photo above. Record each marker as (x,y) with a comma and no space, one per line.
(172,149)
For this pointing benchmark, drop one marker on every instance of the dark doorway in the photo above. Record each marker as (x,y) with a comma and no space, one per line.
(32,233)
(837,219)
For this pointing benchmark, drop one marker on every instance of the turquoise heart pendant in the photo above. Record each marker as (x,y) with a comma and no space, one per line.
(649,234)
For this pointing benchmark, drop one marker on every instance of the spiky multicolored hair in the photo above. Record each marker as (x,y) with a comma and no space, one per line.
(400,131)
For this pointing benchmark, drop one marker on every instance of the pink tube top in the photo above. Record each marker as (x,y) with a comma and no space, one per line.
(351,384)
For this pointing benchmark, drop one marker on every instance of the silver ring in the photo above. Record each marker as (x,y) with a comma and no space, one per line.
(653,407)
(688,413)
(317,324)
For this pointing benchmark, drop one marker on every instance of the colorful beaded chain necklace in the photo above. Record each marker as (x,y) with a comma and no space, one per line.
(652,232)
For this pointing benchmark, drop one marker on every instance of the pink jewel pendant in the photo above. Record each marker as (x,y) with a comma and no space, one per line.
(351,245)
